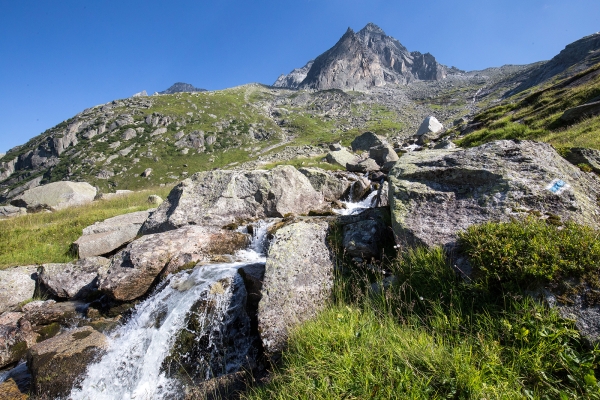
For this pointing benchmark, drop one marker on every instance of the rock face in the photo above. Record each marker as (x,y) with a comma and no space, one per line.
(362,60)
(110,234)
(133,270)
(17,284)
(11,211)
(221,197)
(434,194)
(16,336)
(579,155)
(56,363)
(181,87)
(294,78)
(297,282)
(56,196)
(73,280)
(582,111)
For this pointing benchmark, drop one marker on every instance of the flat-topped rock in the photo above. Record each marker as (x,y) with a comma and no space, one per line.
(55,196)
(75,280)
(17,284)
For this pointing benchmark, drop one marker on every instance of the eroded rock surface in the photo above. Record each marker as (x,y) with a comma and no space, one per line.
(221,197)
(297,283)
(434,194)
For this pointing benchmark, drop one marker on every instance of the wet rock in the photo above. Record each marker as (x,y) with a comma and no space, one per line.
(366,141)
(16,336)
(383,153)
(437,193)
(47,312)
(17,284)
(133,270)
(56,364)
(333,186)
(297,283)
(76,280)
(110,234)
(221,197)
(11,212)
(359,189)
(56,196)
(341,157)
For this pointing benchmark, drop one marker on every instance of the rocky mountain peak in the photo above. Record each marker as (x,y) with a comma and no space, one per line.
(181,87)
(362,60)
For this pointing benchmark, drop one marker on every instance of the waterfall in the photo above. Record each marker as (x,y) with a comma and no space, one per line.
(353,208)
(194,327)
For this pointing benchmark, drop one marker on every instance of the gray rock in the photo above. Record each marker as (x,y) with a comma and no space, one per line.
(118,193)
(383,153)
(129,134)
(57,363)
(221,197)
(11,212)
(35,182)
(16,336)
(335,147)
(110,234)
(429,125)
(435,194)
(105,174)
(362,166)
(76,280)
(332,186)
(362,239)
(297,283)
(367,140)
(147,172)
(445,145)
(579,155)
(341,157)
(56,196)
(46,312)
(382,199)
(294,78)
(158,131)
(359,189)
(133,270)
(17,284)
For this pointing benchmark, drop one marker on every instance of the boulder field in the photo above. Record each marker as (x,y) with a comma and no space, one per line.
(426,198)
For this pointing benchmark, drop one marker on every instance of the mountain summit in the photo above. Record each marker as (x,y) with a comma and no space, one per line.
(361,60)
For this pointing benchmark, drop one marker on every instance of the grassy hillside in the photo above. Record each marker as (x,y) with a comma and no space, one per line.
(536,114)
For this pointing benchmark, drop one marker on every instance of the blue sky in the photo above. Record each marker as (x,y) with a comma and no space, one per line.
(60,57)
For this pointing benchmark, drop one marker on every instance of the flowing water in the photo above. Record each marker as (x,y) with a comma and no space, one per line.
(194,327)
(352,208)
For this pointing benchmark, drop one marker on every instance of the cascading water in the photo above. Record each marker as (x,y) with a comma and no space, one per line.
(194,327)
(352,207)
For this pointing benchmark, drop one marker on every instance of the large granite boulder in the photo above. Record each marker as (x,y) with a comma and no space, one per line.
(332,185)
(46,312)
(362,166)
(383,153)
(297,283)
(434,194)
(133,270)
(366,141)
(56,364)
(16,336)
(76,280)
(341,157)
(110,234)
(429,126)
(220,197)
(55,196)
(17,284)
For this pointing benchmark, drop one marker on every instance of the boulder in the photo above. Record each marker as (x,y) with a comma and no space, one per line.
(341,157)
(590,157)
(129,134)
(362,166)
(220,197)
(359,189)
(16,336)
(17,284)
(11,212)
(367,140)
(147,172)
(335,147)
(47,312)
(75,280)
(362,239)
(331,185)
(583,111)
(382,199)
(57,363)
(55,196)
(430,125)
(9,390)
(445,145)
(110,234)
(133,270)
(435,194)
(297,283)
(383,153)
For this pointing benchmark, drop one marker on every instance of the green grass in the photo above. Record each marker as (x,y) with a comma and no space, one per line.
(47,237)
(433,336)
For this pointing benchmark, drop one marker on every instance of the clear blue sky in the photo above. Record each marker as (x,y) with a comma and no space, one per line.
(60,57)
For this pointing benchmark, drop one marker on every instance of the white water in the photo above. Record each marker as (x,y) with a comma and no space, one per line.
(133,365)
(353,208)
